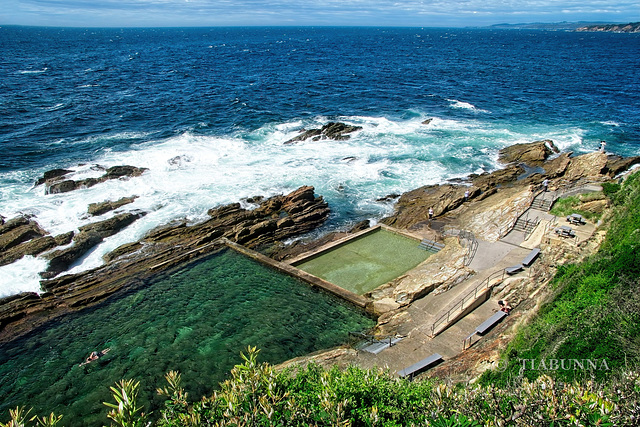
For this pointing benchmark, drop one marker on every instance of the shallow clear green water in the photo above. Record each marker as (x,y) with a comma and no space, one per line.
(367,262)
(196,321)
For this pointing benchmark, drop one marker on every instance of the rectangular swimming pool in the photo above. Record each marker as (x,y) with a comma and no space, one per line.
(364,263)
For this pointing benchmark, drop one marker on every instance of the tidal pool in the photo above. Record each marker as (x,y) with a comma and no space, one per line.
(196,321)
(366,262)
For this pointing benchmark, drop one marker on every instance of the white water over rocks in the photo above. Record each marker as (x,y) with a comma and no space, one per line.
(190,173)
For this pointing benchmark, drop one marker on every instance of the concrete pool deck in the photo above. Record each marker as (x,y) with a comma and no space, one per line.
(414,322)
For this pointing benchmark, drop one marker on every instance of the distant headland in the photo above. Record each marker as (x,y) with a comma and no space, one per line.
(581,26)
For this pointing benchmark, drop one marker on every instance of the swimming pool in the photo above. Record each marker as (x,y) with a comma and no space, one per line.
(362,264)
(196,320)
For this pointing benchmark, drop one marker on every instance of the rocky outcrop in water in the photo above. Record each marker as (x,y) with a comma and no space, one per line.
(412,207)
(276,218)
(88,237)
(96,209)
(332,130)
(533,153)
(54,182)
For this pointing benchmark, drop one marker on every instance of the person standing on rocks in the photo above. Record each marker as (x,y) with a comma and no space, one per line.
(602,145)
(545,185)
(430,214)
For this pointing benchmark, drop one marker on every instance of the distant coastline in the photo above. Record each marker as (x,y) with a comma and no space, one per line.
(633,27)
(573,26)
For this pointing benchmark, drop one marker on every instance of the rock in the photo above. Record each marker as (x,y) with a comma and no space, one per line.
(362,225)
(52,175)
(13,234)
(61,260)
(96,209)
(413,206)
(89,236)
(558,166)
(64,239)
(332,130)
(13,223)
(426,122)
(383,306)
(617,164)
(530,153)
(60,186)
(588,165)
(110,226)
(491,224)
(501,177)
(55,186)
(31,247)
(388,198)
(596,206)
(122,171)
(122,250)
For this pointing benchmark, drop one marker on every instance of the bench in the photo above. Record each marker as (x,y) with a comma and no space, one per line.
(416,368)
(528,260)
(490,322)
(564,231)
(576,219)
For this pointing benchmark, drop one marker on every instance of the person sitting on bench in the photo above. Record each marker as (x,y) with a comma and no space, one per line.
(504,306)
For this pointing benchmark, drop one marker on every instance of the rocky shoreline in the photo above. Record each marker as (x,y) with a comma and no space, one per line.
(268,224)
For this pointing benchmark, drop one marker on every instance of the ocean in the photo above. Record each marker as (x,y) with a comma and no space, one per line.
(207,111)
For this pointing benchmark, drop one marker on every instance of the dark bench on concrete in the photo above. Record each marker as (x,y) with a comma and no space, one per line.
(416,368)
(576,219)
(490,322)
(564,231)
(528,260)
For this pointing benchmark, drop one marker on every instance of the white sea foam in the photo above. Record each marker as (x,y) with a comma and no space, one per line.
(21,276)
(465,105)
(189,174)
(44,70)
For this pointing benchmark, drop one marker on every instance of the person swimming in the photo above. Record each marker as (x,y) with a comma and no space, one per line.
(95,355)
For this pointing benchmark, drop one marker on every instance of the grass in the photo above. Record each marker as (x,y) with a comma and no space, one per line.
(569,205)
(594,311)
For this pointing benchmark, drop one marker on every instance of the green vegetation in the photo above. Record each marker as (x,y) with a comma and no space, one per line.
(258,395)
(576,204)
(594,312)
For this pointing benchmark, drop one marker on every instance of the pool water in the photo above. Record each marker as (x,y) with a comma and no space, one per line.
(196,321)
(364,263)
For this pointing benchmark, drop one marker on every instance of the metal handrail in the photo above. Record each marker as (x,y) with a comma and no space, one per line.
(473,246)
(485,283)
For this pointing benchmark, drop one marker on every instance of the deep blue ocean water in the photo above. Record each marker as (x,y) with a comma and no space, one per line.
(207,110)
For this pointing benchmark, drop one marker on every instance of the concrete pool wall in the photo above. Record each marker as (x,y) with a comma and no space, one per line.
(353,298)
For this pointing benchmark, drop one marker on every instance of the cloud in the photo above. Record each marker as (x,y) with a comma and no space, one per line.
(309,12)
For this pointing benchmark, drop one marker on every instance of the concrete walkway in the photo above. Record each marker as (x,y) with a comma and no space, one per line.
(491,257)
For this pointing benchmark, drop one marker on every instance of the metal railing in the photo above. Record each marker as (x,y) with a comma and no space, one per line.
(470,296)
(473,245)
(370,338)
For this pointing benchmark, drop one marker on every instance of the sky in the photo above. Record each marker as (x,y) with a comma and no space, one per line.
(421,13)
